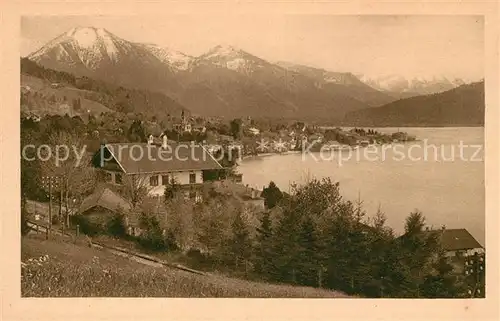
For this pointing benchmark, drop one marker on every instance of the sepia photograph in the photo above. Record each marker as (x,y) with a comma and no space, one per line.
(295,161)
(252,156)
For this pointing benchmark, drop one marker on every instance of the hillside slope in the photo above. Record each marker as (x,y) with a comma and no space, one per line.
(39,95)
(462,106)
(73,270)
(341,82)
(40,98)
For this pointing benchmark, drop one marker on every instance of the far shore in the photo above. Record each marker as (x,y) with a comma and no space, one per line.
(294,152)
(406,126)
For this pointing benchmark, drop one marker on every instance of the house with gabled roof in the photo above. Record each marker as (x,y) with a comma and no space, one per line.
(99,207)
(156,165)
(104,198)
(459,245)
(457,242)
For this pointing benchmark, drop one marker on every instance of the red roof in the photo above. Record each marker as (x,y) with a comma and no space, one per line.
(155,159)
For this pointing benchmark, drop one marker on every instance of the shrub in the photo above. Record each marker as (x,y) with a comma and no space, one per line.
(152,236)
(55,220)
(116,225)
(24,223)
(87,226)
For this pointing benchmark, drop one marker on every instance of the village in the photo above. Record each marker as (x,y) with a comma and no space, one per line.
(168,204)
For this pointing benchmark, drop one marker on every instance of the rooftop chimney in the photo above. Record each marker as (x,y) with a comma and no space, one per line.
(164,143)
(150,140)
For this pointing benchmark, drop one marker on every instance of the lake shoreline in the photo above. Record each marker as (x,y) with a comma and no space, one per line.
(448,193)
(348,149)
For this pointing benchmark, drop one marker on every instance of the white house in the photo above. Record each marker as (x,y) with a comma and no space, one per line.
(155,165)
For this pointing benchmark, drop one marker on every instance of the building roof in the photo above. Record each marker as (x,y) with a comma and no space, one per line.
(176,157)
(105,198)
(245,193)
(456,239)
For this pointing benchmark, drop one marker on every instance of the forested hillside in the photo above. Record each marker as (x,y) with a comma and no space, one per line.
(462,106)
(114,97)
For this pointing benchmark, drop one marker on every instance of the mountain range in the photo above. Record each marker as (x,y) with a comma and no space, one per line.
(401,87)
(224,81)
(461,106)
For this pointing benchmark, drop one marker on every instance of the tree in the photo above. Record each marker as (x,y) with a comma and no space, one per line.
(308,260)
(264,253)
(416,252)
(116,225)
(136,132)
(136,188)
(236,129)
(124,106)
(24,220)
(180,222)
(316,203)
(30,164)
(73,172)
(272,195)
(414,223)
(213,228)
(152,234)
(241,247)
(171,189)
(441,283)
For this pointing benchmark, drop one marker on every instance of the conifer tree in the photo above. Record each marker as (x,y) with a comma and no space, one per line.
(264,253)
(441,283)
(241,246)
(272,195)
(308,262)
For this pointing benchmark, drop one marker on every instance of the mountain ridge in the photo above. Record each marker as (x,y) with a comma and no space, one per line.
(464,105)
(399,86)
(224,81)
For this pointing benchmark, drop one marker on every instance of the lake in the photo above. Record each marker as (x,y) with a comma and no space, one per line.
(441,175)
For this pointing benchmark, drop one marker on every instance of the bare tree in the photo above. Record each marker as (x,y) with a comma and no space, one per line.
(136,188)
(70,166)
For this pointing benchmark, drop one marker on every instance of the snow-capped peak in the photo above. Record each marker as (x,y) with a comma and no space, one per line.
(174,58)
(419,84)
(232,58)
(86,36)
(91,45)
(222,51)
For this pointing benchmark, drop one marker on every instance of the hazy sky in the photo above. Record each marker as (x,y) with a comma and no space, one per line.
(451,46)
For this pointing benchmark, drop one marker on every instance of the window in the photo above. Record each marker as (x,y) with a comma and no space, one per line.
(108,177)
(118,178)
(153,180)
(192,178)
(165,179)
